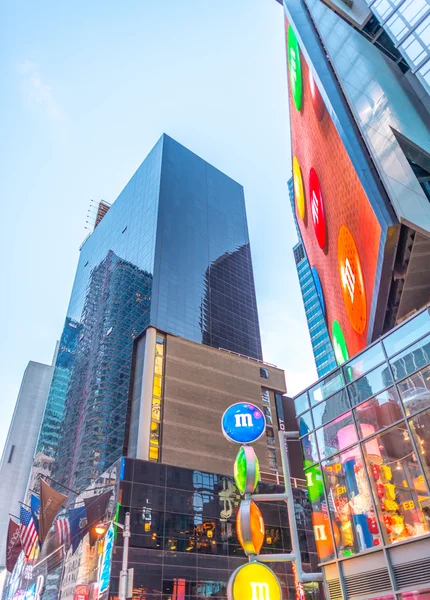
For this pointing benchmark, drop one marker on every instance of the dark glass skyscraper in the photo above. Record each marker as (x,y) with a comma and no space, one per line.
(322,348)
(173,252)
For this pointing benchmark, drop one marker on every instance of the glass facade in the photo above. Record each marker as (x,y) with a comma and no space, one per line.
(366,446)
(408,24)
(173,252)
(183,543)
(321,344)
(183,533)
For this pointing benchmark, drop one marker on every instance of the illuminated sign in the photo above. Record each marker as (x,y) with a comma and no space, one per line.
(314,481)
(295,68)
(106,560)
(339,344)
(341,232)
(351,279)
(318,288)
(250,527)
(243,423)
(317,209)
(246,470)
(299,192)
(323,539)
(254,581)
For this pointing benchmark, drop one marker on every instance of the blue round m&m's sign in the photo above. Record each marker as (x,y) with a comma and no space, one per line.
(243,423)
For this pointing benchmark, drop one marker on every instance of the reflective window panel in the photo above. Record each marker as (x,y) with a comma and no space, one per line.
(412,359)
(407,333)
(415,391)
(337,435)
(378,412)
(370,384)
(364,362)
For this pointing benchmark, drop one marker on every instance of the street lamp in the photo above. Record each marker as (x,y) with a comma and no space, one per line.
(126,575)
(100,529)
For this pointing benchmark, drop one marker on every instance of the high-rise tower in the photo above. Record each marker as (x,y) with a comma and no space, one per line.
(313,303)
(172,252)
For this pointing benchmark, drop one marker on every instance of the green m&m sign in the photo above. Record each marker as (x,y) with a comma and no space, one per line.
(294,67)
(339,343)
(246,470)
(314,481)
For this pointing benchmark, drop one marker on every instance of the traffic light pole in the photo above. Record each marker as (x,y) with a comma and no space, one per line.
(287,497)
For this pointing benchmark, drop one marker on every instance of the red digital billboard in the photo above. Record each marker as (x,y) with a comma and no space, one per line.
(340,230)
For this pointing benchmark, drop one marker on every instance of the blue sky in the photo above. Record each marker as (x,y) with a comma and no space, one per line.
(86,89)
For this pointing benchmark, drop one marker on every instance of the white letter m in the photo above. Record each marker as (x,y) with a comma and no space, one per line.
(260,591)
(243,420)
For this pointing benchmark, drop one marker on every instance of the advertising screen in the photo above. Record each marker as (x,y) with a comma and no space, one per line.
(340,230)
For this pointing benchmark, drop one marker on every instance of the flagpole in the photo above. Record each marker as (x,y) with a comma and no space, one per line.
(60,484)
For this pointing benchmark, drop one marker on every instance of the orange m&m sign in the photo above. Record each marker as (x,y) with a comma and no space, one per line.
(351,279)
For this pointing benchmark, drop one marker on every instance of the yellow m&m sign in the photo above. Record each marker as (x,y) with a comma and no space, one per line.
(254,581)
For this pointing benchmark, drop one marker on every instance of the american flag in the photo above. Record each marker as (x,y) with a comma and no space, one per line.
(62,534)
(28,531)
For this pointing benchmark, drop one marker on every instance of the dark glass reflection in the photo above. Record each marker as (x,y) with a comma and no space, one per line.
(190,549)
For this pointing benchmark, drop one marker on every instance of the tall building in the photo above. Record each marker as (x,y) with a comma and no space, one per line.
(16,462)
(172,252)
(313,303)
(364,431)
(360,147)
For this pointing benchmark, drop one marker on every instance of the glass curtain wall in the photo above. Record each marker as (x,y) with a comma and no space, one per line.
(365,433)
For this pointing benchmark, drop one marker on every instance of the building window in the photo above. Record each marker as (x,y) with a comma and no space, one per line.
(11,454)
(157,397)
(264,373)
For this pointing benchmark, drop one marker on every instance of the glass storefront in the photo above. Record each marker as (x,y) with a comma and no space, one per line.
(365,433)
(183,536)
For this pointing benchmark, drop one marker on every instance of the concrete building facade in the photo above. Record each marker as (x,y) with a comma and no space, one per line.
(21,442)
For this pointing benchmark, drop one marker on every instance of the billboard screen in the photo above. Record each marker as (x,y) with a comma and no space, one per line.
(340,230)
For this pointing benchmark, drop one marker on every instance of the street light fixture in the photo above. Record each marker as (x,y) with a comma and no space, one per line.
(126,575)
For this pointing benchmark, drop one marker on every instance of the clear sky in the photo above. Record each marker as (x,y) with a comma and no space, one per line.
(86,89)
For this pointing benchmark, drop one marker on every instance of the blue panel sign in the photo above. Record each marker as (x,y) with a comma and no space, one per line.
(243,423)
(106,561)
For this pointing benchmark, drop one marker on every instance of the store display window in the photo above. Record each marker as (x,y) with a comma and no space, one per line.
(397,481)
(415,391)
(352,512)
(420,427)
(377,413)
